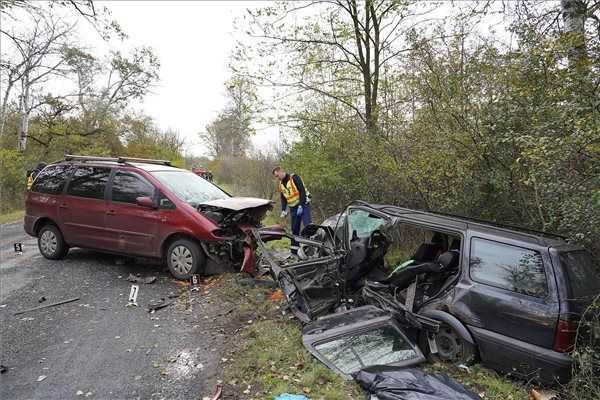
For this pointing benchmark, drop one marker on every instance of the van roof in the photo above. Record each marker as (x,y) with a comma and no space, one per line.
(458,222)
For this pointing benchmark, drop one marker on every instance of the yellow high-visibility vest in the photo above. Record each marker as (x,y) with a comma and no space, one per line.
(29,181)
(291,192)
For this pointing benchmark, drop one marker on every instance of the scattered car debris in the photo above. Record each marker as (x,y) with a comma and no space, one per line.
(464,368)
(287,396)
(41,378)
(540,394)
(3,369)
(41,299)
(136,279)
(160,304)
(277,295)
(58,303)
(217,395)
(392,383)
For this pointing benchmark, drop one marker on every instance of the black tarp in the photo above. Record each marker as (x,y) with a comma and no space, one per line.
(392,383)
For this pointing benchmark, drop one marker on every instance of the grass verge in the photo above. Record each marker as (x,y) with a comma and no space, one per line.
(12,216)
(267,358)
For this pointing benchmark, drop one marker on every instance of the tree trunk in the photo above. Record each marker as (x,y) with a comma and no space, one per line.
(4,106)
(574,14)
(24,114)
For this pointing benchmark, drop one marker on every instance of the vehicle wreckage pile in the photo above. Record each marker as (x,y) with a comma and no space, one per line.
(383,288)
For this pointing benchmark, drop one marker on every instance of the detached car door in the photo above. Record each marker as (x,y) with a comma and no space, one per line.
(82,209)
(133,227)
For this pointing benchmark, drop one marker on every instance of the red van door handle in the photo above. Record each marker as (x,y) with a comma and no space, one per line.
(63,205)
(110,212)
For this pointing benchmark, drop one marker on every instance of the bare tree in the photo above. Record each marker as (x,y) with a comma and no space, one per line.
(342,57)
(38,55)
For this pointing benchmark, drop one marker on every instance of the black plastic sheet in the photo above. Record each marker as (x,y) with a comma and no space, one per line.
(392,383)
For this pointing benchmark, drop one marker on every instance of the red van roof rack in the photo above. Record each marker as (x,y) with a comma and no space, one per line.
(122,160)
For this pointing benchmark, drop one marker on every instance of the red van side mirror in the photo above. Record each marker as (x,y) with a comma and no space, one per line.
(145,202)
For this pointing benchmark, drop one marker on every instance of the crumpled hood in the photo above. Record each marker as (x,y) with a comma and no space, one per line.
(237,203)
(236,211)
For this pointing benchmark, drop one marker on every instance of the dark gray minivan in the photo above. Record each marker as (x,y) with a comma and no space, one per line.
(509,296)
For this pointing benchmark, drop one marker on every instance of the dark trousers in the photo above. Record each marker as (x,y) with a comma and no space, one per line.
(297,222)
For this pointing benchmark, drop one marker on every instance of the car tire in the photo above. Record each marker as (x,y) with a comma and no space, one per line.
(51,242)
(451,347)
(185,258)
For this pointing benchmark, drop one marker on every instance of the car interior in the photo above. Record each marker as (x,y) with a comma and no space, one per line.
(398,255)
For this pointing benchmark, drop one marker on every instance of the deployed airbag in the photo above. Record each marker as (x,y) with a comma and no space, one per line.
(393,383)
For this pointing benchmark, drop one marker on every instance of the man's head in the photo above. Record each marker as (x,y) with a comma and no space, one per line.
(278,173)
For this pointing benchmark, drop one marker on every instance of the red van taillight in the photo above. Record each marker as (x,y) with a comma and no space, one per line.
(564,340)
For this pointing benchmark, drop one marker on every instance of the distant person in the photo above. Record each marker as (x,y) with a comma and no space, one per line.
(295,198)
(33,173)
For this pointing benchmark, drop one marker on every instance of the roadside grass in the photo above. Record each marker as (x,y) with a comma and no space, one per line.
(272,218)
(12,216)
(487,383)
(267,357)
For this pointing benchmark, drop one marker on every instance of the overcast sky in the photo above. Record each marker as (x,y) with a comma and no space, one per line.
(193,40)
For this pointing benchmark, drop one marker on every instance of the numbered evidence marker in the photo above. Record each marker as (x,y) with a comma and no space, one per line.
(133,296)
(19,248)
(195,282)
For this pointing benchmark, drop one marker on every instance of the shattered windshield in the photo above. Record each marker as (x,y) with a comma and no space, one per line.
(363,224)
(380,346)
(189,187)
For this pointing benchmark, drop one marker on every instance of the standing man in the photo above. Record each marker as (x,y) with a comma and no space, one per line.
(295,197)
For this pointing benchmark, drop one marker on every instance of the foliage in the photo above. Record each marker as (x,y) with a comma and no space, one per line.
(585,384)
(247,176)
(470,126)
(133,135)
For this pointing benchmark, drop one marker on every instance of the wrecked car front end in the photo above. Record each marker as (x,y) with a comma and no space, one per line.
(235,217)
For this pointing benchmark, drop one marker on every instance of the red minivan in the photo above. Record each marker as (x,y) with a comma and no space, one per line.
(146,208)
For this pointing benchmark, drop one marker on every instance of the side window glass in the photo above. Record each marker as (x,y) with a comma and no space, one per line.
(89,182)
(363,223)
(509,267)
(51,180)
(127,187)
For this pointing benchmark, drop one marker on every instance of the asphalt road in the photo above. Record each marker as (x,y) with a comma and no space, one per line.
(97,347)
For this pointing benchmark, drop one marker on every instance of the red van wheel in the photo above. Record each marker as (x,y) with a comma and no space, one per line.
(185,258)
(51,242)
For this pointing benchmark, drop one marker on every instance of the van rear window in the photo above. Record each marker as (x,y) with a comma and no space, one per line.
(583,276)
